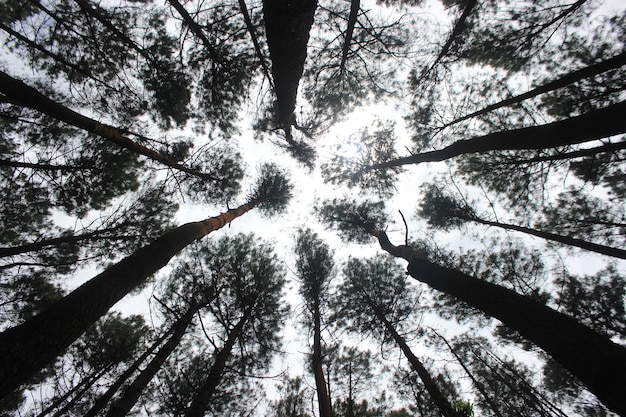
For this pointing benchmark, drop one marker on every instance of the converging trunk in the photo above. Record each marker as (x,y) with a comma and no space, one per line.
(593,358)
(435,393)
(594,125)
(323,398)
(29,347)
(566,240)
(123,406)
(203,396)
(287,26)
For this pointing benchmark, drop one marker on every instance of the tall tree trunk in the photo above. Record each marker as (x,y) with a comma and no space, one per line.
(323,398)
(566,240)
(29,347)
(31,247)
(567,79)
(255,41)
(593,358)
(287,26)
(609,147)
(77,390)
(594,125)
(134,390)
(203,397)
(355,6)
(435,393)
(195,28)
(459,26)
(104,399)
(475,382)
(20,93)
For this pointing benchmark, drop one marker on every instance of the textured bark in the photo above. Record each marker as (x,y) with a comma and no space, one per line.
(104,399)
(203,397)
(20,93)
(570,78)
(29,347)
(323,398)
(596,124)
(287,26)
(435,393)
(593,358)
(123,406)
(566,240)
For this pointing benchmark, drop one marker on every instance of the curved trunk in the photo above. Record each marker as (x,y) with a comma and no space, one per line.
(566,240)
(29,347)
(201,401)
(323,398)
(134,390)
(596,124)
(593,358)
(20,93)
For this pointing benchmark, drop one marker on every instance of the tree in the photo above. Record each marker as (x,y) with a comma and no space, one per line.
(49,333)
(314,269)
(443,211)
(554,332)
(373,287)
(248,310)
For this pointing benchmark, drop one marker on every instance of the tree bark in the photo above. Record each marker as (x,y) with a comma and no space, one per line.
(132,393)
(594,125)
(609,147)
(566,240)
(570,78)
(29,347)
(201,401)
(26,96)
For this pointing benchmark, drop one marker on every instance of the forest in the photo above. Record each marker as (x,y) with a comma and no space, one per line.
(313,208)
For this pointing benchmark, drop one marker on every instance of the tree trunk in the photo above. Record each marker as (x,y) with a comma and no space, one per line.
(355,6)
(593,358)
(195,28)
(595,69)
(287,26)
(104,399)
(459,26)
(29,347)
(132,393)
(566,240)
(476,383)
(23,95)
(30,247)
(594,125)
(255,41)
(323,398)
(77,390)
(201,401)
(609,147)
(435,393)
